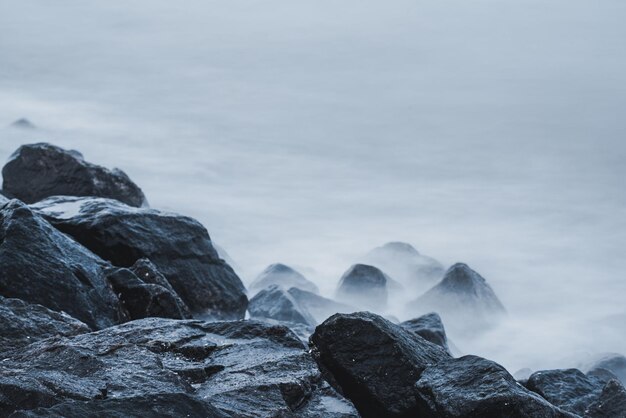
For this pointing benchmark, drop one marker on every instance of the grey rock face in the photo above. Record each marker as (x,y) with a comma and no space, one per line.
(429,327)
(611,403)
(281,275)
(464,300)
(615,363)
(180,247)
(318,306)
(276,303)
(37,171)
(363,286)
(41,265)
(23,323)
(242,368)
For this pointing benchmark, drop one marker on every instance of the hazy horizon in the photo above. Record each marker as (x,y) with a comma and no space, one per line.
(308,133)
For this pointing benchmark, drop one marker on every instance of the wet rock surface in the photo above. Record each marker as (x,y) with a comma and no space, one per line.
(610,404)
(276,303)
(429,327)
(23,323)
(284,276)
(37,171)
(464,300)
(364,286)
(242,368)
(41,265)
(179,246)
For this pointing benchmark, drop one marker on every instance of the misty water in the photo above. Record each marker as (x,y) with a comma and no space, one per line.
(309,132)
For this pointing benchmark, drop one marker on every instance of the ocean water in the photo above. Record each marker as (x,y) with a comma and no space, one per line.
(308,132)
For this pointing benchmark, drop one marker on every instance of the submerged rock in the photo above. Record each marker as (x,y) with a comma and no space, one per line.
(23,323)
(402,261)
(569,389)
(37,171)
(463,299)
(242,368)
(276,303)
(41,265)
(373,362)
(281,275)
(364,286)
(180,247)
(318,306)
(429,327)
(474,387)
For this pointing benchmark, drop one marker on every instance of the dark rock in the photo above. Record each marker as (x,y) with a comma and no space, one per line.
(402,261)
(243,368)
(318,306)
(143,300)
(364,286)
(221,252)
(473,387)
(429,327)
(463,299)
(23,123)
(41,265)
(276,303)
(163,405)
(37,171)
(569,389)
(180,247)
(281,275)
(373,362)
(22,323)
(610,404)
(616,363)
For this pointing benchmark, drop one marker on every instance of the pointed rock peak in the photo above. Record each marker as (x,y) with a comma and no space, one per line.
(282,275)
(23,123)
(279,268)
(365,272)
(460,277)
(400,247)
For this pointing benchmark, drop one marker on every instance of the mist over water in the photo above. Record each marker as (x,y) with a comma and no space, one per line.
(308,133)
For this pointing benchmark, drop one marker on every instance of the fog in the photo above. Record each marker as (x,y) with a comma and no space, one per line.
(489,132)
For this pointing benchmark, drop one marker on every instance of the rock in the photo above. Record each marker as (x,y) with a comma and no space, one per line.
(276,303)
(318,306)
(42,265)
(363,286)
(145,270)
(522,375)
(402,261)
(23,123)
(221,252)
(242,368)
(463,299)
(373,362)
(610,404)
(162,406)
(22,323)
(616,363)
(429,327)
(37,171)
(282,275)
(569,389)
(180,247)
(474,387)
(143,300)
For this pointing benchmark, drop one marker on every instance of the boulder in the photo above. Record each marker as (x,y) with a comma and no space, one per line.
(429,327)
(464,300)
(143,300)
(41,265)
(318,306)
(37,171)
(363,286)
(569,389)
(276,303)
(611,403)
(281,275)
(23,323)
(615,363)
(373,362)
(473,387)
(403,262)
(242,368)
(180,247)
(154,406)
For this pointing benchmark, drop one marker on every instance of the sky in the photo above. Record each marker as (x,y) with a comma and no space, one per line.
(309,132)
